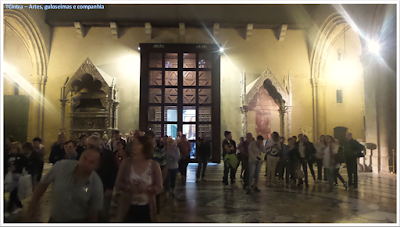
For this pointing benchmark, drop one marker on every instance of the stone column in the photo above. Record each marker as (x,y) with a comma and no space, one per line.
(315,111)
(244,110)
(116,105)
(371,127)
(282,121)
(63,102)
(321,106)
(110,112)
(35,107)
(288,110)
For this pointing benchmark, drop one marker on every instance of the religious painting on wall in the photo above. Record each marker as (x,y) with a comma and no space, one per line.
(264,105)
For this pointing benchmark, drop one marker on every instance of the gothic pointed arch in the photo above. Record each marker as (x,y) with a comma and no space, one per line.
(26,29)
(88,68)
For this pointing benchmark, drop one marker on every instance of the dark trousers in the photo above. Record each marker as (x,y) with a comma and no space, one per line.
(351,165)
(138,214)
(245,166)
(226,172)
(337,175)
(319,168)
(266,166)
(158,203)
(293,165)
(311,166)
(14,200)
(330,175)
(202,166)
(283,168)
(303,163)
(183,163)
(171,179)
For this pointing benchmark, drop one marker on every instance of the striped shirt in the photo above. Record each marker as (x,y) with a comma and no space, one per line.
(73,201)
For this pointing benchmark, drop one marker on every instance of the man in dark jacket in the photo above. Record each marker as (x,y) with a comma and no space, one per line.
(202,156)
(352,151)
(307,152)
(57,150)
(107,172)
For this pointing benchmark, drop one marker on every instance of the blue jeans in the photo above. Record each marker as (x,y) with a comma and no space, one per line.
(171,179)
(202,166)
(254,171)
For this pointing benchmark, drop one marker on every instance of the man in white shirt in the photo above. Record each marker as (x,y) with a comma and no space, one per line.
(255,161)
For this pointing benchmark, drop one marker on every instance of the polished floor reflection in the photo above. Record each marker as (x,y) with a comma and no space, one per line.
(210,201)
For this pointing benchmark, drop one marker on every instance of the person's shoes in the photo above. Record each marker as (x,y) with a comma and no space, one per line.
(233,181)
(244,186)
(355,187)
(345,185)
(248,192)
(225,182)
(307,185)
(265,175)
(336,184)
(197,179)
(16,211)
(6,214)
(256,189)
(203,179)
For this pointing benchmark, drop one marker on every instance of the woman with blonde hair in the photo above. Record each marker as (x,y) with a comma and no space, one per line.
(140,180)
(17,162)
(173,156)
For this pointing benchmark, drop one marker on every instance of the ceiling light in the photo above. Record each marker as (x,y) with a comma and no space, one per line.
(374,47)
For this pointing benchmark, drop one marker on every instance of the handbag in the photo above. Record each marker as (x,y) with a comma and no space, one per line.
(231,160)
(24,186)
(299,173)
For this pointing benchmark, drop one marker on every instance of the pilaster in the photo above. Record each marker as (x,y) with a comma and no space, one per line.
(34,126)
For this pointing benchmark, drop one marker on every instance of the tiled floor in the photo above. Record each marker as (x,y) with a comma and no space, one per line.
(375,201)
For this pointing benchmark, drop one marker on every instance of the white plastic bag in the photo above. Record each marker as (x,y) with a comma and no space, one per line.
(8,182)
(24,186)
(299,173)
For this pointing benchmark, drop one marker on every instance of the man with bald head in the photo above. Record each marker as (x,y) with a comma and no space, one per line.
(352,150)
(77,194)
(57,150)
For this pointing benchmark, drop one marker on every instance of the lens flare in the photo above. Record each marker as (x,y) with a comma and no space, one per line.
(374,47)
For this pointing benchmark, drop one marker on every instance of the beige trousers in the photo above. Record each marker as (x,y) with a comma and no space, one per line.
(272,162)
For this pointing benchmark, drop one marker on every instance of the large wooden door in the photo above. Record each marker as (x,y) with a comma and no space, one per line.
(180,91)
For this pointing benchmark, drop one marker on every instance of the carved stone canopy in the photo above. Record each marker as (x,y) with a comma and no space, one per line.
(100,80)
(259,82)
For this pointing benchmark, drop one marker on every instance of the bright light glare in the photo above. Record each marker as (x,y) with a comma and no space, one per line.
(374,47)
(221,49)
(138,48)
(9,68)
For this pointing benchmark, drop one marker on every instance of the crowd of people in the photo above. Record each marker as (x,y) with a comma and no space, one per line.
(89,172)
(289,162)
